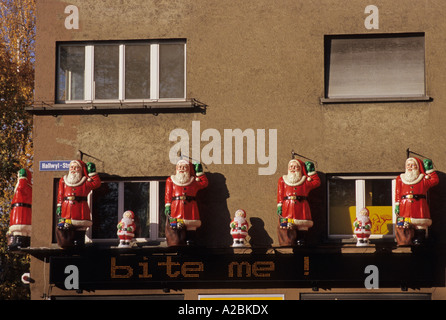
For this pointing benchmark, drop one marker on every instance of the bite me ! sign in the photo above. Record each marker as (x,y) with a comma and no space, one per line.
(112,270)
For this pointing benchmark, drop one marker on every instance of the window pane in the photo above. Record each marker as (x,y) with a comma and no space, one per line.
(70,73)
(342,209)
(171,71)
(375,66)
(137,71)
(378,200)
(106,71)
(161,215)
(136,199)
(105,211)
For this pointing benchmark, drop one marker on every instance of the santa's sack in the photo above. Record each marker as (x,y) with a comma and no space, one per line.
(287,236)
(65,237)
(175,236)
(404,235)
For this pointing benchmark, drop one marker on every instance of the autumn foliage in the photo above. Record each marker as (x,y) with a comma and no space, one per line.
(17,40)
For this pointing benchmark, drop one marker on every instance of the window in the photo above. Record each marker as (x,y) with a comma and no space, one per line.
(375,66)
(144,198)
(347,195)
(71,73)
(121,71)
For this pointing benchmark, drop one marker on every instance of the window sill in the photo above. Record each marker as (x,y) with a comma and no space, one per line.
(106,108)
(375,100)
(325,249)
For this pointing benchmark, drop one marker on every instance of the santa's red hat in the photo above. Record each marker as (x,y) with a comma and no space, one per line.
(419,164)
(82,165)
(303,168)
(243,212)
(191,166)
(364,211)
(132,215)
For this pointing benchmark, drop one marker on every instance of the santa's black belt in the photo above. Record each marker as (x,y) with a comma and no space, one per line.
(184,198)
(298,198)
(75,198)
(414,196)
(21,204)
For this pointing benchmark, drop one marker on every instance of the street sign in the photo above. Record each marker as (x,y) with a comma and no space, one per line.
(54,165)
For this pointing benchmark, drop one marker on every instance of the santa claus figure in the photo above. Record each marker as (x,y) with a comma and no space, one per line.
(292,202)
(411,205)
(363,227)
(239,228)
(126,229)
(19,233)
(181,206)
(72,206)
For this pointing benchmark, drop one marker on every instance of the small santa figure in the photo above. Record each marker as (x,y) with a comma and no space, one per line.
(19,232)
(239,228)
(126,229)
(181,206)
(363,227)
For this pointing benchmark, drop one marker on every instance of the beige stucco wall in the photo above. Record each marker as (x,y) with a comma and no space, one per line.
(257,64)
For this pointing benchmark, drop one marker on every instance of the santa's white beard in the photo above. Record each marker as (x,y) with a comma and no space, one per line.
(73,177)
(182,177)
(239,219)
(410,176)
(294,177)
(363,218)
(126,221)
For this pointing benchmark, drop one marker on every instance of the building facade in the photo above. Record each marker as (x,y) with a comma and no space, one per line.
(241,87)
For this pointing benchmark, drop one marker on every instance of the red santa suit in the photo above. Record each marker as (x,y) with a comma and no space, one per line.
(181,198)
(126,228)
(363,226)
(20,216)
(72,198)
(293,198)
(412,196)
(239,227)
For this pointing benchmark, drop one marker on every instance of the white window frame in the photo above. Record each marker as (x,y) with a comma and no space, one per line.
(89,86)
(154,204)
(360,202)
(379,96)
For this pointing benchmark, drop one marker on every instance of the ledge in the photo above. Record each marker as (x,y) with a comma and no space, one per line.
(375,100)
(106,108)
(344,249)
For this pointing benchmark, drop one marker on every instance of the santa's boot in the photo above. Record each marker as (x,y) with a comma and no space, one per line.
(301,238)
(419,237)
(79,239)
(191,237)
(17,242)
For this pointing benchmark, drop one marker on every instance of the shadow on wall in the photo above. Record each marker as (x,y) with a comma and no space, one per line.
(258,234)
(437,234)
(214,212)
(216,218)
(437,207)
(317,200)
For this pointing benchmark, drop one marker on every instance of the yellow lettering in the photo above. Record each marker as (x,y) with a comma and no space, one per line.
(169,265)
(191,266)
(306,266)
(145,269)
(114,268)
(262,266)
(239,269)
